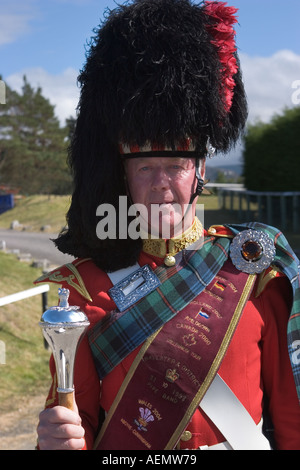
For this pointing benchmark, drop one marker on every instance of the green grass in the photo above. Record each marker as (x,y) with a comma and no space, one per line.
(26,370)
(33,212)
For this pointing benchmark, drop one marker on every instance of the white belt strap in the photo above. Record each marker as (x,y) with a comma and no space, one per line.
(231,418)
(221,446)
(120,274)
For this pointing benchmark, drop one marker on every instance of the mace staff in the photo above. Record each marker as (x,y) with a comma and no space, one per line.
(63,328)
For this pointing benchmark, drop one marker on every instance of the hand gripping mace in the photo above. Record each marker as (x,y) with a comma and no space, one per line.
(63,328)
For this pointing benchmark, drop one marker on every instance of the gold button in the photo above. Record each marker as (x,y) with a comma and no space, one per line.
(169,261)
(186,436)
(211,231)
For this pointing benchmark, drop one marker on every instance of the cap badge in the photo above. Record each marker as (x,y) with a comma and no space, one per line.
(252,251)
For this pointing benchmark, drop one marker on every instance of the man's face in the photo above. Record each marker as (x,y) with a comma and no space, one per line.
(163,185)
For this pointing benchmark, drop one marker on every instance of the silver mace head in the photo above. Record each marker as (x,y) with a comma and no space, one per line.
(63,328)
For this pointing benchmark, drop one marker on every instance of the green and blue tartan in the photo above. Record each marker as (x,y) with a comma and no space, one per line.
(117,335)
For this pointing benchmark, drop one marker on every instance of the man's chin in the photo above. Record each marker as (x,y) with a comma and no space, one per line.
(167,228)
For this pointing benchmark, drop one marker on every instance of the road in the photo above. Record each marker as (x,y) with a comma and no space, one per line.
(38,244)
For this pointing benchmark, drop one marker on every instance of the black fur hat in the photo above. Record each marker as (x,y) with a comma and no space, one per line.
(157,71)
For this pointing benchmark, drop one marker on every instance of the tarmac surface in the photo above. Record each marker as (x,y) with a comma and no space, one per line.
(36,244)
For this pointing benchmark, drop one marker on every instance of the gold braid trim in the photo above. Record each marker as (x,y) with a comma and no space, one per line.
(161,247)
(73,280)
(264,278)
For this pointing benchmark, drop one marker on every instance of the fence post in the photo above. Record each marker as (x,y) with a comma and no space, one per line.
(2,353)
(296,213)
(44,301)
(283,211)
(269,209)
(240,215)
(259,203)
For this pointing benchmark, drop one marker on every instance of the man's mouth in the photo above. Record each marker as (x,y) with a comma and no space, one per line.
(162,203)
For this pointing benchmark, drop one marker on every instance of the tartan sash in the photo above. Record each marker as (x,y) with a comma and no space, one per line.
(117,335)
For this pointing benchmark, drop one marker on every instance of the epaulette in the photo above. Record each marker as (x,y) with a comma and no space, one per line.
(265,277)
(68,274)
(220,231)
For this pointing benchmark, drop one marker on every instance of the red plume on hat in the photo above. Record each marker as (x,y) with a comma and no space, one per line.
(223,34)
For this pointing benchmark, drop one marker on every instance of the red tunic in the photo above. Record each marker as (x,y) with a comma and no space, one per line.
(256,362)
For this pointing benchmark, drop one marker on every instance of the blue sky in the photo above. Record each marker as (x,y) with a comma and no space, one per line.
(52,33)
(45,39)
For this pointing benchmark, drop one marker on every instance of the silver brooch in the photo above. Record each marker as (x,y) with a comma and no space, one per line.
(134,287)
(252,251)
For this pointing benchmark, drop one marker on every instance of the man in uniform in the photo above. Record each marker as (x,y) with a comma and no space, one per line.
(187,345)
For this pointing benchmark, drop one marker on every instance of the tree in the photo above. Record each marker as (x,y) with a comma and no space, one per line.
(271,155)
(33,147)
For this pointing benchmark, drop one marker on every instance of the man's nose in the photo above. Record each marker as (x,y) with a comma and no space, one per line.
(160,180)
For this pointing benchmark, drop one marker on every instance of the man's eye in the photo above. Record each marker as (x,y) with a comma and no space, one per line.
(177,167)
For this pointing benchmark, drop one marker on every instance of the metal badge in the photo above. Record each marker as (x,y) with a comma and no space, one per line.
(252,251)
(134,287)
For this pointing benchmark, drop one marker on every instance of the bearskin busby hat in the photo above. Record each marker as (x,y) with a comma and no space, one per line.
(159,73)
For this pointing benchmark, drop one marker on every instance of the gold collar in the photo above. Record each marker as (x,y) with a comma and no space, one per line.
(162,248)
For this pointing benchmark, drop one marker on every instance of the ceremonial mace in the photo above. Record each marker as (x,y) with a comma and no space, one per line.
(63,328)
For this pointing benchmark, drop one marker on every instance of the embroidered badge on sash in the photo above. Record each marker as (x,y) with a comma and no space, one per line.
(134,287)
(252,251)
(145,417)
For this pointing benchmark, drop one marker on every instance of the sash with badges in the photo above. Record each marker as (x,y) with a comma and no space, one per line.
(175,367)
(192,322)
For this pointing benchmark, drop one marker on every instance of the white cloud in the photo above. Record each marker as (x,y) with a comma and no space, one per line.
(61,90)
(15,19)
(269,83)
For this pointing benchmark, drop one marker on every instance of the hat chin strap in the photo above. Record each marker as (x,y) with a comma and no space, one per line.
(200,181)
